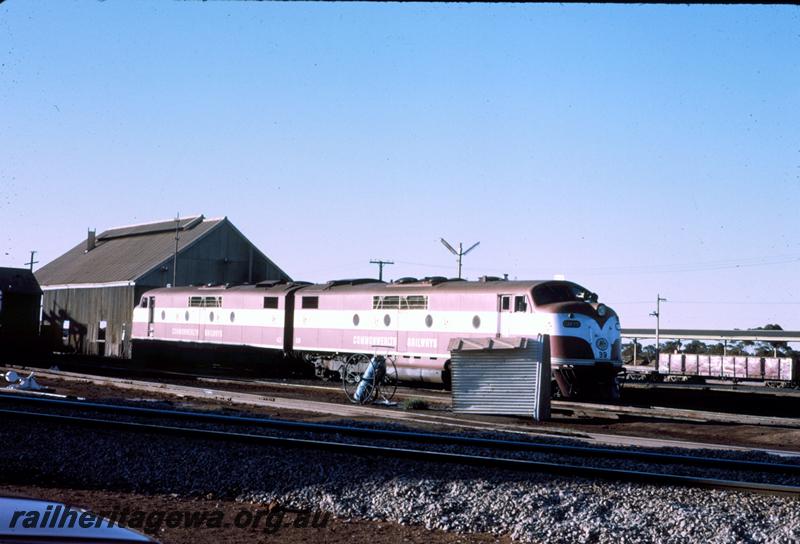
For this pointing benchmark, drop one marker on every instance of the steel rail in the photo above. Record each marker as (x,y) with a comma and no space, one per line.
(419,437)
(419,455)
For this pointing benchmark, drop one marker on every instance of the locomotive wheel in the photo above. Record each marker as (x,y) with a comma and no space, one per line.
(352,375)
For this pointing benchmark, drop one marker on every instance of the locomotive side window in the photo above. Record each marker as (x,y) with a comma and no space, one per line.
(411,302)
(271,302)
(505,303)
(520,303)
(310,303)
(144,302)
(386,303)
(213,302)
(207,302)
(416,302)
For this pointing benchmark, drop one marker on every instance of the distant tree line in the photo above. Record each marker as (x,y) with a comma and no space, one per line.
(744,347)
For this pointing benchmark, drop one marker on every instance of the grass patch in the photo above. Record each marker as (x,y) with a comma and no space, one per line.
(415,404)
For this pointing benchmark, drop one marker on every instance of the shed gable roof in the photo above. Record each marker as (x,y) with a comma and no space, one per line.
(124,253)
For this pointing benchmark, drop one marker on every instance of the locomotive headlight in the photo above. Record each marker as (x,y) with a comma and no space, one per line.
(601,310)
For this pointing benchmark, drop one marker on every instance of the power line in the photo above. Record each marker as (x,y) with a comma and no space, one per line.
(664,268)
(714,302)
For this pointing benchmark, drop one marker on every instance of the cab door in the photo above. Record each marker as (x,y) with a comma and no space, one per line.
(512,313)
(151,314)
(503,314)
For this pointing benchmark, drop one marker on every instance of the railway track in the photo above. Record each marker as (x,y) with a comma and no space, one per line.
(437,418)
(586,409)
(36,409)
(589,409)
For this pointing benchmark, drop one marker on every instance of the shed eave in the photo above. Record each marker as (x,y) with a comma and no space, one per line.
(126,283)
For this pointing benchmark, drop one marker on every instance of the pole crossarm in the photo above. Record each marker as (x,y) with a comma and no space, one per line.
(460,253)
(381,263)
(32,262)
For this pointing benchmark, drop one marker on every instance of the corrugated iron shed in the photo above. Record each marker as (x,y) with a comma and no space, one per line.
(90,291)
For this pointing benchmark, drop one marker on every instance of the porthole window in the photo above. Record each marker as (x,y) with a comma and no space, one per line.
(211,317)
(428,321)
(387,320)
(355,320)
(163,315)
(233,317)
(186,315)
(476,321)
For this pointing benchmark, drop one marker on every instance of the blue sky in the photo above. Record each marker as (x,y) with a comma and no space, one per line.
(635,149)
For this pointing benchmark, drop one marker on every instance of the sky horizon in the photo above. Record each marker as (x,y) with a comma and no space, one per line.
(636,150)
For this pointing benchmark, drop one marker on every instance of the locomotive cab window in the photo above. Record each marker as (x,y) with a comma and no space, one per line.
(505,303)
(550,293)
(520,303)
(310,303)
(144,302)
(271,302)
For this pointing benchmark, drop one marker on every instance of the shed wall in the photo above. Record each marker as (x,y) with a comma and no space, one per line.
(85,309)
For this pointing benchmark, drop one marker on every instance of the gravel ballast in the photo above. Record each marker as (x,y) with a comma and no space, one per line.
(528,507)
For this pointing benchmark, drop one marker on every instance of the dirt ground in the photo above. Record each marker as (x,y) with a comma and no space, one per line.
(290,530)
(755,436)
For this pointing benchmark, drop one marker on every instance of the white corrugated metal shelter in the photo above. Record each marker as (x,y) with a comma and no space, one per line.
(503,376)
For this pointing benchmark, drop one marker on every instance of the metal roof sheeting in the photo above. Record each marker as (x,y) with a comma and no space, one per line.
(490,378)
(151,228)
(120,256)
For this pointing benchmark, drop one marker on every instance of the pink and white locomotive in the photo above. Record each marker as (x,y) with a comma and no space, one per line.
(408,319)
